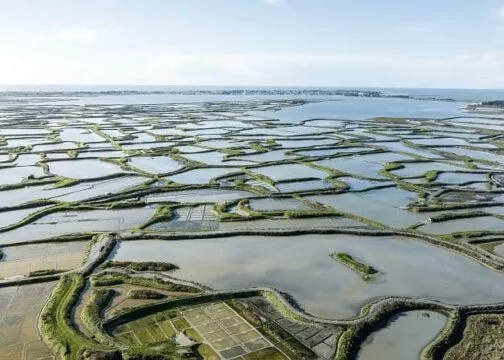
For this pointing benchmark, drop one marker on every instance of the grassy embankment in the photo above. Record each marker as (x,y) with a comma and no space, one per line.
(141,266)
(116,279)
(146,294)
(55,322)
(366,271)
(92,313)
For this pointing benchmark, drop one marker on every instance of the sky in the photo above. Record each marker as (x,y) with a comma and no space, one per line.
(366,43)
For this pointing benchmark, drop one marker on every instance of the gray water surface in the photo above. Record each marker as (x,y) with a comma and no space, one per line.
(404,336)
(302,267)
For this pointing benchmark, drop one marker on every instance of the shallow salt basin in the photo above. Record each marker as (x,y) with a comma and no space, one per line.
(155,164)
(29,193)
(11,217)
(483,223)
(419,169)
(382,205)
(102,145)
(217,144)
(24,131)
(284,131)
(145,145)
(189,149)
(274,155)
(55,146)
(199,196)
(68,222)
(89,190)
(301,223)
(499,250)
(98,154)
(306,185)
(114,133)
(15,142)
(14,175)
(354,166)
(480,126)
(460,178)
(481,186)
(301,266)
(141,137)
(289,171)
(269,204)
(27,160)
(400,147)
(198,132)
(79,135)
(214,158)
(404,336)
(167,131)
(21,260)
(77,192)
(475,154)
(53,156)
(361,184)
(212,124)
(475,120)
(302,143)
(332,151)
(440,142)
(326,123)
(83,169)
(200,176)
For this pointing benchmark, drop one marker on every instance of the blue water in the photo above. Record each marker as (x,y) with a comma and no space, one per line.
(364,108)
(330,106)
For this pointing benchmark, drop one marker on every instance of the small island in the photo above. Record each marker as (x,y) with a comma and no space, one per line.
(366,271)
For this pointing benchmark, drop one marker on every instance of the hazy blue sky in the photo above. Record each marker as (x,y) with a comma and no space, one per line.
(409,43)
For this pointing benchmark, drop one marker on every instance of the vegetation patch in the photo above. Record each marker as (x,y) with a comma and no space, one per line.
(482,338)
(141,266)
(55,322)
(193,335)
(146,294)
(181,324)
(366,271)
(453,216)
(265,354)
(110,279)
(92,313)
(45,272)
(207,353)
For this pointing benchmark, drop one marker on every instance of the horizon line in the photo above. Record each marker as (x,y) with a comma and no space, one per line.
(249,86)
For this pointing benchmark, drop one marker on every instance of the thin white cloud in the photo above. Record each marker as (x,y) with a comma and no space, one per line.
(483,70)
(273,2)
(80,34)
(500,13)
(413,28)
(252,68)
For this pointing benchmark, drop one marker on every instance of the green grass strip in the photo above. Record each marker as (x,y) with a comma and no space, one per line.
(366,271)
(55,324)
